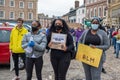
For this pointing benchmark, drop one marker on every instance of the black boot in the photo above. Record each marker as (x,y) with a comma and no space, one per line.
(103,70)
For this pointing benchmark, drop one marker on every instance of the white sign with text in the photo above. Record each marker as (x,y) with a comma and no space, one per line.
(58,41)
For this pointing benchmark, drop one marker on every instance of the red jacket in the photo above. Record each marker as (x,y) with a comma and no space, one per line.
(114,33)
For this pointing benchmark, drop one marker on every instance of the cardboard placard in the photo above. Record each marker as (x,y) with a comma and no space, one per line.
(58,41)
(88,55)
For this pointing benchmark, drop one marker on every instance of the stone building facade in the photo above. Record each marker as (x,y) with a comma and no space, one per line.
(13,9)
(45,20)
(114,12)
(95,8)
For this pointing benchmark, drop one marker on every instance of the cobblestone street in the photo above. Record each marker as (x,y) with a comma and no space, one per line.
(75,71)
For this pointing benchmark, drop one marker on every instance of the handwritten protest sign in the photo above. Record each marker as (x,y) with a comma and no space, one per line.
(88,55)
(58,41)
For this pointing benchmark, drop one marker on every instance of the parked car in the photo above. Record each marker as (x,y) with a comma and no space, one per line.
(4,46)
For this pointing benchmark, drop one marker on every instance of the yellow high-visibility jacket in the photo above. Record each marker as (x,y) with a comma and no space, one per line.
(16,37)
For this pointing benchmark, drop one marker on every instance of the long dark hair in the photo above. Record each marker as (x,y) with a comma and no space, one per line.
(65,26)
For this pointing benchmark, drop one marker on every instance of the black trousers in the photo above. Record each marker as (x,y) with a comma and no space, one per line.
(16,61)
(38,67)
(60,64)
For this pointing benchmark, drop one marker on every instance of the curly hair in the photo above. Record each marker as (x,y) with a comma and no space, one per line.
(65,26)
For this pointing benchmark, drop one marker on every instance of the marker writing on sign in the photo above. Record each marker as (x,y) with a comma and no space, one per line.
(87,58)
(58,39)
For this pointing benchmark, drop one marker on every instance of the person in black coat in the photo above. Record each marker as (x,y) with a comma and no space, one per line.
(60,59)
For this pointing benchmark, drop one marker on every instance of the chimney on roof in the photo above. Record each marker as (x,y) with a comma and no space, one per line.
(76,4)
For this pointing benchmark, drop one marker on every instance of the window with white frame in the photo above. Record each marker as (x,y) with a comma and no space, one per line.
(11,15)
(91,13)
(89,1)
(12,3)
(30,5)
(21,4)
(21,15)
(104,11)
(79,11)
(99,11)
(109,1)
(95,12)
(2,14)
(88,14)
(83,11)
(2,2)
(30,15)
(78,20)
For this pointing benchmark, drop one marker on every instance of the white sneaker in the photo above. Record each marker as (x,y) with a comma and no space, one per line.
(16,78)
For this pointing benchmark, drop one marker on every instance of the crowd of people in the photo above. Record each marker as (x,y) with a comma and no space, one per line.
(114,36)
(31,47)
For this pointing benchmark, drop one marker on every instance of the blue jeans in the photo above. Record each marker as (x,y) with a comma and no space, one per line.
(114,42)
(117,49)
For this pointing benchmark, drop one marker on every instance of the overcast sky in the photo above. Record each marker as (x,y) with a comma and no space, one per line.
(55,7)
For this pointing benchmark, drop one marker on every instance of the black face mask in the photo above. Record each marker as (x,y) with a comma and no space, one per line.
(58,27)
(34,29)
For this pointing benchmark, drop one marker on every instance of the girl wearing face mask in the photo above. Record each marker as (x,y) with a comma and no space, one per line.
(95,38)
(37,42)
(60,59)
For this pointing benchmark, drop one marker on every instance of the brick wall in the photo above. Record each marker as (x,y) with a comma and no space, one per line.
(92,7)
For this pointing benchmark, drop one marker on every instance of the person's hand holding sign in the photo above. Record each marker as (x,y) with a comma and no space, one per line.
(50,44)
(58,41)
(64,47)
(92,46)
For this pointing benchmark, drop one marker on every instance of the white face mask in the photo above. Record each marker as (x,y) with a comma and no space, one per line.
(94,26)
